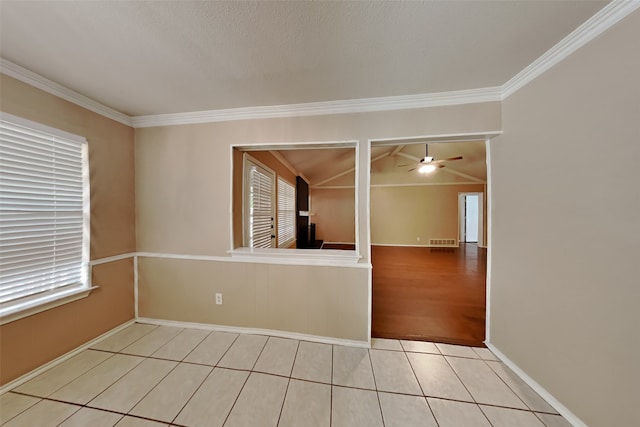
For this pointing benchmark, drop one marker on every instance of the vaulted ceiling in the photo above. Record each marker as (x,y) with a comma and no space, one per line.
(153,57)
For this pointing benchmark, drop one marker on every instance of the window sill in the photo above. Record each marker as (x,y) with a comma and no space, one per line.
(44,303)
(296,256)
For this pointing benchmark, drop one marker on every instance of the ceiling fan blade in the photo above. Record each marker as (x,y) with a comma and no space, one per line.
(404,166)
(411,170)
(453,158)
(441,166)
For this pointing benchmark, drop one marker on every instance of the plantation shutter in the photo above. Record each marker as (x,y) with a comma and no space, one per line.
(286,212)
(44,213)
(260,207)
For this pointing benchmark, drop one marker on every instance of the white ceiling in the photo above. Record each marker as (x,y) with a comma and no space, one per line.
(154,57)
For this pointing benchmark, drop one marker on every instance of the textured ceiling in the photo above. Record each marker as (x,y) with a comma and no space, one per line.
(153,57)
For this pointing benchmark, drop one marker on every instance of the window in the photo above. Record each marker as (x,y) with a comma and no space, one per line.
(44,215)
(259,206)
(286,213)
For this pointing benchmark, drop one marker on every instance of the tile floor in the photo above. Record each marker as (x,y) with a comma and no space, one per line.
(149,376)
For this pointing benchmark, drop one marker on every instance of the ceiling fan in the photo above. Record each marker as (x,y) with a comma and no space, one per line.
(428,164)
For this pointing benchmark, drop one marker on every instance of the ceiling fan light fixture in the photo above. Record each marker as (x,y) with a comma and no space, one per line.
(427,168)
(427,159)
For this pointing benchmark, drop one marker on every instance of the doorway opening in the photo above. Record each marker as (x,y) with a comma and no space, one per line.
(428,255)
(471,218)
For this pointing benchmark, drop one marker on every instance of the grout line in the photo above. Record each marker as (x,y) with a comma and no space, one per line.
(192,394)
(375,385)
(284,399)
(236,399)
(289,378)
(331,392)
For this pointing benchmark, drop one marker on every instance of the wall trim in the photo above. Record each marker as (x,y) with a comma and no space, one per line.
(400,245)
(562,410)
(594,26)
(607,17)
(39,370)
(40,82)
(111,258)
(363,105)
(255,331)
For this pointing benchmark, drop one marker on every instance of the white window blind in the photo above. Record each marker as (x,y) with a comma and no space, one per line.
(286,213)
(44,214)
(260,201)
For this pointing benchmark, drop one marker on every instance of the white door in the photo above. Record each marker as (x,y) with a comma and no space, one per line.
(259,206)
(471,210)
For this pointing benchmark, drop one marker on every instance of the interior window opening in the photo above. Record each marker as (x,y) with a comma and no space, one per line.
(294,197)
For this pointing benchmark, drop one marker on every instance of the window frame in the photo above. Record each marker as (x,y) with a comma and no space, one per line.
(246,178)
(25,306)
(287,242)
(289,255)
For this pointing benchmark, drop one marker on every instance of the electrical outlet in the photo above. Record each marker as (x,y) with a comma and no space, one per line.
(218,299)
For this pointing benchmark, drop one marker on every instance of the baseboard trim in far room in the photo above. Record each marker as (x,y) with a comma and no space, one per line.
(401,245)
(40,369)
(551,400)
(255,331)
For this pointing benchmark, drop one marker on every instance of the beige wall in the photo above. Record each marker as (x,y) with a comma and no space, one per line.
(334,213)
(183,196)
(29,342)
(290,298)
(565,249)
(399,215)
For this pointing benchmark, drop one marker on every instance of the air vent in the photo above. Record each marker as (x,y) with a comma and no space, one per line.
(446,243)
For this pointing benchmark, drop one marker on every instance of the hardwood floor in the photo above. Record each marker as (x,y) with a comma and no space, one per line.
(430,294)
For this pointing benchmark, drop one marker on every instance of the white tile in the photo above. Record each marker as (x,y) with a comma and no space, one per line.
(313,362)
(277,356)
(484,353)
(214,399)
(551,420)
(420,347)
(93,382)
(386,344)
(450,413)
(244,352)
(12,404)
(393,372)
(131,388)
(352,367)
(62,374)
(211,349)
(167,399)
(124,337)
(91,417)
(152,341)
(457,350)
(484,385)
(307,404)
(503,417)
(138,422)
(181,345)
(43,414)
(353,407)
(259,403)
(519,387)
(436,377)
(399,410)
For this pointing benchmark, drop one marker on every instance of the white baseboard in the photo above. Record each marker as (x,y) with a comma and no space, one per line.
(398,245)
(562,410)
(32,374)
(255,331)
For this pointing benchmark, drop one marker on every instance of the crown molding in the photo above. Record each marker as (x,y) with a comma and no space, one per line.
(364,105)
(607,17)
(594,26)
(29,77)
